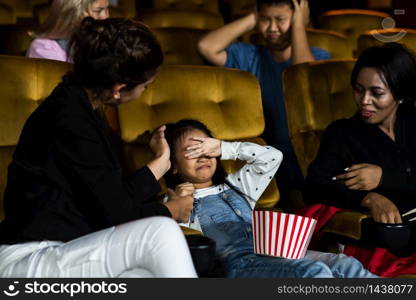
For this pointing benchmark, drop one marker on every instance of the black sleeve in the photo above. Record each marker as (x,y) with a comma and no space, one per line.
(100,191)
(333,157)
(401,177)
(398,180)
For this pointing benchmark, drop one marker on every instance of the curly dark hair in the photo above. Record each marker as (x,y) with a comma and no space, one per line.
(111,51)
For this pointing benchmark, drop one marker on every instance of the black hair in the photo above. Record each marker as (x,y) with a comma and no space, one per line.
(396,66)
(111,51)
(174,133)
(260,3)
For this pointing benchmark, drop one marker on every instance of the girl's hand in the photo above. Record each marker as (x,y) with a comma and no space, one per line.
(382,209)
(185,189)
(208,147)
(301,13)
(180,207)
(158,143)
(365,177)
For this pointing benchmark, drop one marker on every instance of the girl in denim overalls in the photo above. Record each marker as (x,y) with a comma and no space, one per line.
(223,203)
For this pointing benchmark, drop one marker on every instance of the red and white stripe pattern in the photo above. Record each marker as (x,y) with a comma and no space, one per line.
(282,235)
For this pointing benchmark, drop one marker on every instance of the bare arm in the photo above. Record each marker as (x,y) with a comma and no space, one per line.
(301,51)
(212,46)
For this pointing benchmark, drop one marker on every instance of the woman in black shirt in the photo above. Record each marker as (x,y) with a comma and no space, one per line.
(69,211)
(369,160)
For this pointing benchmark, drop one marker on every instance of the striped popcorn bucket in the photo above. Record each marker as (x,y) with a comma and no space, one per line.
(281,235)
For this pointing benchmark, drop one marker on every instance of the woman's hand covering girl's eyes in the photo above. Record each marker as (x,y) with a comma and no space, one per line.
(206,146)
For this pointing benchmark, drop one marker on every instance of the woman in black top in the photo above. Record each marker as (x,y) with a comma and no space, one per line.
(369,160)
(66,197)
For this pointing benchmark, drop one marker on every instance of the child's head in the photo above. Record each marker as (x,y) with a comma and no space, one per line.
(274,21)
(202,171)
(65,17)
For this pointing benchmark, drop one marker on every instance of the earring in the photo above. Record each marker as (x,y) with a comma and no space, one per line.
(400,101)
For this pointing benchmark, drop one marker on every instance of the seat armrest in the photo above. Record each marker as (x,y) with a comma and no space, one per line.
(190,231)
(346,223)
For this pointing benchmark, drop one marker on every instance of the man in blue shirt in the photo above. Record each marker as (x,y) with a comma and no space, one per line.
(282,24)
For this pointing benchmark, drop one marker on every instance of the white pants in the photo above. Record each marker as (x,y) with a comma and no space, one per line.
(151,247)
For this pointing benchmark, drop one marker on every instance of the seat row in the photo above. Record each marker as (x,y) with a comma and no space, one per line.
(321,95)
(179,44)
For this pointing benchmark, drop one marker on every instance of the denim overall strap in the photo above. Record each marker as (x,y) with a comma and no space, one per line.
(226,218)
(238,204)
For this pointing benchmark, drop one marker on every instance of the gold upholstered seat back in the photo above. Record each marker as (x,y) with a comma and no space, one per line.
(168,18)
(22,8)
(334,42)
(6,14)
(352,22)
(25,83)
(316,94)
(15,39)
(126,7)
(227,101)
(403,36)
(239,8)
(179,45)
(201,5)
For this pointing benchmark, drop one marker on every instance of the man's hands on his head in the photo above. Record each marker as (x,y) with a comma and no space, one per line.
(212,46)
(301,51)
(301,13)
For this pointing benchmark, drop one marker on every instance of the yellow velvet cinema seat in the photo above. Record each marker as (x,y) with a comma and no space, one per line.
(172,18)
(179,45)
(6,14)
(200,5)
(321,94)
(23,8)
(15,39)
(41,12)
(352,22)
(25,83)
(334,42)
(198,92)
(239,8)
(125,8)
(371,38)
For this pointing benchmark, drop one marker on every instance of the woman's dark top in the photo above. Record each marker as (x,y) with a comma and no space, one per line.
(65,179)
(352,141)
